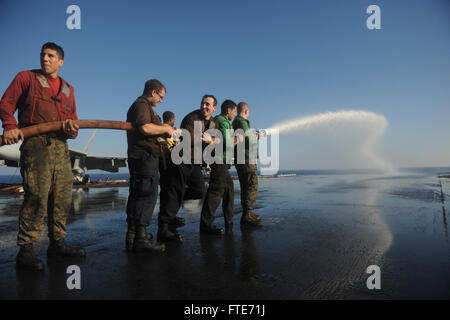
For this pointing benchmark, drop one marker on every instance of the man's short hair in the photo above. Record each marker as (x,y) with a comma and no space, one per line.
(167,116)
(151,85)
(227,104)
(242,106)
(210,96)
(54,46)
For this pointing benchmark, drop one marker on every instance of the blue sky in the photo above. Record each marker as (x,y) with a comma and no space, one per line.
(286,59)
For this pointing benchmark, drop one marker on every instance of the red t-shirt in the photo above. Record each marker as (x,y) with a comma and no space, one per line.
(55,83)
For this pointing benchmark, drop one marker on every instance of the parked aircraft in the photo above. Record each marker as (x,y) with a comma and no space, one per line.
(81,160)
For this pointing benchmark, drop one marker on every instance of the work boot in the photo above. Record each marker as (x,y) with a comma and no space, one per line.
(248,220)
(177,222)
(165,234)
(143,244)
(26,259)
(255,216)
(129,239)
(60,248)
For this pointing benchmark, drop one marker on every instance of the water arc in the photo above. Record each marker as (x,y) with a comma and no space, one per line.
(370,125)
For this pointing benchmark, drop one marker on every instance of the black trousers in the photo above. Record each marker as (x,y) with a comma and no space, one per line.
(178,183)
(220,188)
(143,166)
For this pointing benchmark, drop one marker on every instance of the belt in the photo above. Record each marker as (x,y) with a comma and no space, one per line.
(49,136)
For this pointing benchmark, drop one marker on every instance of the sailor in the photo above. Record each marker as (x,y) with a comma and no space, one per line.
(167,145)
(42,96)
(221,186)
(185,180)
(247,171)
(143,162)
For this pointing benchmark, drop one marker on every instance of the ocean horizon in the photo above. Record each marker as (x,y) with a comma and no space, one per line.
(96,175)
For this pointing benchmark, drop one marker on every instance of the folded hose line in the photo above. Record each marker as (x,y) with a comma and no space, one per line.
(83,124)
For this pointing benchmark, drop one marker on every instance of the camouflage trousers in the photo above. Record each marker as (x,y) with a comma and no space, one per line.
(47,182)
(248,179)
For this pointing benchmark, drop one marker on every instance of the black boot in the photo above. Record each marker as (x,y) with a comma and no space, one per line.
(165,234)
(26,259)
(143,244)
(248,220)
(60,248)
(129,239)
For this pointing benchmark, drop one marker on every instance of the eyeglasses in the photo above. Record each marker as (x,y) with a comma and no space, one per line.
(161,97)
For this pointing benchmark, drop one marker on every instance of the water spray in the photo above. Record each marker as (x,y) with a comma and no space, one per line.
(374,126)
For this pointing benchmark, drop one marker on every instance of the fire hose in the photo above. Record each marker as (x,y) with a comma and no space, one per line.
(83,124)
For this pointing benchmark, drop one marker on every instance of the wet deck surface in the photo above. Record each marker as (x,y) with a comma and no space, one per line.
(320,234)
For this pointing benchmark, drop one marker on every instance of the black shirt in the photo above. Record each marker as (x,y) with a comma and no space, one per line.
(141,112)
(188,124)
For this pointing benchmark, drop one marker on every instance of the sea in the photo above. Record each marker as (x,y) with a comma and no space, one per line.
(17,179)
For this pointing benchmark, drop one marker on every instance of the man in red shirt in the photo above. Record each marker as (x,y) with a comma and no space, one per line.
(41,96)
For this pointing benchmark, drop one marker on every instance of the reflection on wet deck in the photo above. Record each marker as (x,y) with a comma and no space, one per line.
(320,234)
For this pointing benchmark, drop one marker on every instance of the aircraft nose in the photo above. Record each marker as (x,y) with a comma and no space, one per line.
(10,152)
